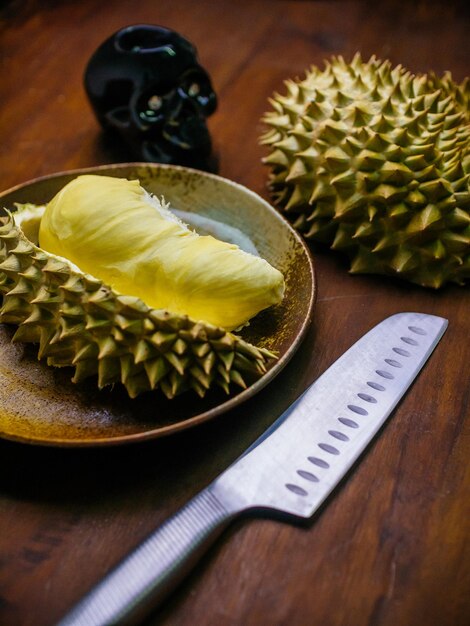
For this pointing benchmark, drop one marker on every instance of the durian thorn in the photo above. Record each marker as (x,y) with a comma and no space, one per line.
(71,310)
(180,347)
(13,304)
(343,238)
(242,363)
(345,181)
(200,349)
(224,385)
(108,347)
(88,351)
(74,284)
(249,350)
(11,265)
(227,359)
(39,316)
(298,171)
(9,236)
(46,300)
(132,326)
(85,369)
(199,389)
(363,231)
(137,384)
(356,61)
(462,198)
(142,351)
(47,333)
(365,263)
(208,362)
(96,322)
(56,267)
(127,367)
(277,158)
(202,378)
(166,389)
(425,219)
(431,99)
(403,260)
(71,330)
(22,287)
(436,189)
(237,378)
(224,373)
(451,121)
(177,382)
(297,198)
(163,341)
(108,372)
(23,247)
(175,361)
(156,369)
(26,334)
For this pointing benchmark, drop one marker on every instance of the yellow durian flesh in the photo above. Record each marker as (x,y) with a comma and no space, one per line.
(113,229)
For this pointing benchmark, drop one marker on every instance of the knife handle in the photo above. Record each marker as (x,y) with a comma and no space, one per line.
(130,591)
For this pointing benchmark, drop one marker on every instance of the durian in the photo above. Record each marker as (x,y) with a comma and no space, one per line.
(375,162)
(61,299)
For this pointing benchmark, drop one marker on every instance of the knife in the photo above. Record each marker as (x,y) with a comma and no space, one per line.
(290,469)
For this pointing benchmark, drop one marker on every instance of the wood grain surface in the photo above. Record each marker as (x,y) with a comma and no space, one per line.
(391,547)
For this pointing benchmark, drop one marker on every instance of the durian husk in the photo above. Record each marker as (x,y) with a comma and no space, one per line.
(80,322)
(375,162)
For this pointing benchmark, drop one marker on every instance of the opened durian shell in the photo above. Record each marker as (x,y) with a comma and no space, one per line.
(78,321)
(375,162)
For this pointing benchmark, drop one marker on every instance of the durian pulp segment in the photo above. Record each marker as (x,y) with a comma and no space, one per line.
(375,162)
(112,229)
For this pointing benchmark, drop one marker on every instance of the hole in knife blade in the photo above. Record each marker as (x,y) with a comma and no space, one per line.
(357,409)
(308,476)
(376,386)
(367,398)
(393,363)
(417,330)
(410,341)
(318,462)
(338,435)
(385,374)
(327,448)
(347,422)
(296,489)
(401,352)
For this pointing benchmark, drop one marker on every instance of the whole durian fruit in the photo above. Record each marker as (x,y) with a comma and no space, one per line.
(61,298)
(375,162)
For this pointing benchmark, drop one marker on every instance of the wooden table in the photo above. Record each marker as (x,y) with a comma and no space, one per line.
(392,546)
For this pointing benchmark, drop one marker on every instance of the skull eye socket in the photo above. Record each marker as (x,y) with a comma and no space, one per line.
(196,86)
(155,103)
(194,89)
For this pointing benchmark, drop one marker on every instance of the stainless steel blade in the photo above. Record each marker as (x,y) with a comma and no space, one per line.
(292,468)
(295,465)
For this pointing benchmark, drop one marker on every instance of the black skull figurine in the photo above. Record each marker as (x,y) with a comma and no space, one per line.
(145,83)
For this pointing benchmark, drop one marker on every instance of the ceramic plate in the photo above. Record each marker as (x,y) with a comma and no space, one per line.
(40,405)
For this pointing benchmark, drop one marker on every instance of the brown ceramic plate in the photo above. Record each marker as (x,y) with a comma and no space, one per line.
(40,405)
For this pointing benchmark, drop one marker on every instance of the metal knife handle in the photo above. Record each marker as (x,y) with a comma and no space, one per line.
(155,567)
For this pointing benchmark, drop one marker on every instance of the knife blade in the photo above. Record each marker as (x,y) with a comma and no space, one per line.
(290,469)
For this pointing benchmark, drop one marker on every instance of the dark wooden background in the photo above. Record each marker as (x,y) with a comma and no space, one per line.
(392,546)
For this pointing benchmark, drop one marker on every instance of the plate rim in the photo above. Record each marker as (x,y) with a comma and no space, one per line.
(219,409)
